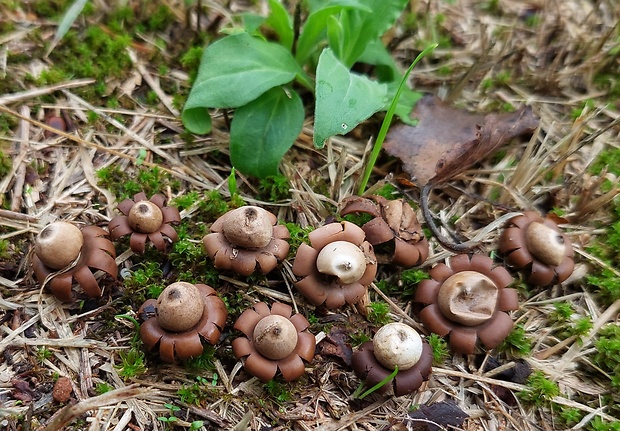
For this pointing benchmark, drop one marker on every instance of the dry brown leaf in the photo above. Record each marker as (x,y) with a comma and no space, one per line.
(447,140)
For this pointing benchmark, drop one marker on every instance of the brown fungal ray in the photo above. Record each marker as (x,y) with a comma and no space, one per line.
(358,204)
(492,334)
(257,365)
(463,340)
(344,231)
(291,367)
(410,382)
(378,231)
(157,239)
(305,260)
(409,255)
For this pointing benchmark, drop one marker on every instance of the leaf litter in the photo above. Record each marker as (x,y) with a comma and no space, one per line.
(554,67)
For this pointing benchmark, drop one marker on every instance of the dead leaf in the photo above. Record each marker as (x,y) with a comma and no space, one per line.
(336,344)
(447,140)
(435,417)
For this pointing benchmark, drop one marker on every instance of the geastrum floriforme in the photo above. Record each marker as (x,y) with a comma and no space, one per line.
(146,220)
(337,267)
(394,345)
(182,318)
(247,239)
(67,254)
(274,340)
(394,230)
(538,246)
(468,301)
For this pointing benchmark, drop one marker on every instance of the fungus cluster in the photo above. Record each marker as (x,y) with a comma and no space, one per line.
(394,231)
(145,220)
(468,301)
(337,267)
(538,246)
(247,239)
(395,345)
(64,254)
(177,323)
(275,339)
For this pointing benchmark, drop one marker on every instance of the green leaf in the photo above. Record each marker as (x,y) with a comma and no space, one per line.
(361,27)
(263,130)
(343,99)
(196,120)
(316,24)
(280,21)
(234,71)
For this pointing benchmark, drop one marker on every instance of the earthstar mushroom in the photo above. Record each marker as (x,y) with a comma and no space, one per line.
(180,319)
(68,254)
(337,267)
(394,231)
(274,339)
(145,220)
(468,302)
(394,345)
(538,246)
(247,239)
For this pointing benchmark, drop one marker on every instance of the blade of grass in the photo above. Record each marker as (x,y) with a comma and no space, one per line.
(66,22)
(388,120)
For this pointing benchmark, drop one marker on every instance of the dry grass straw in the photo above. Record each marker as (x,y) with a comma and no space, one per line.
(551,64)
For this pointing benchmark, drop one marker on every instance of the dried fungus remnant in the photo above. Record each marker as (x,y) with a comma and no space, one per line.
(395,231)
(145,220)
(274,340)
(538,246)
(468,301)
(177,323)
(247,239)
(394,345)
(337,267)
(67,255)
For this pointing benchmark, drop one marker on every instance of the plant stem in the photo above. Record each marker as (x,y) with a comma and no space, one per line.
(374,155)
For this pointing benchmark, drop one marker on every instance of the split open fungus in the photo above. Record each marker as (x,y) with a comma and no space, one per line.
(177,323)
(247,239)
(394,345)
(337,267)
(146,220)
(468,301)
(67,254)
(274,340)
(395,231)
(538,246)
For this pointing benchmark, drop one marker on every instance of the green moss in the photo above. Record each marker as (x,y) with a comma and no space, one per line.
(125,184)
(274,188)
(540,390)
(607,355)
(5,164)
(517,343)
(440,349)
(378,313)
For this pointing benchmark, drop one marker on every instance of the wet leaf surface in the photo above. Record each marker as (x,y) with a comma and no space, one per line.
(447,140)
